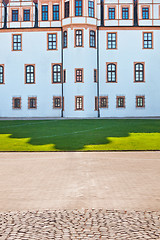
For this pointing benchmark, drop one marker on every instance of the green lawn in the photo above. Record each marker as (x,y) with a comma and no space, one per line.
(80,135)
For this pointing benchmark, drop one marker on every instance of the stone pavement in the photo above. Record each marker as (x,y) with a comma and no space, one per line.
(94,183)
(74,180)
(80,224)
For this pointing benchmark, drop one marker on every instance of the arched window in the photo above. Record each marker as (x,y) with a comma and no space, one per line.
(111,72)
(30,74)
(92,39)
(139,72)
(56,77)
(1,74)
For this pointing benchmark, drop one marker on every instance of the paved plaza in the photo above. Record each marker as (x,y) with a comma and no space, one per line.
(112,196)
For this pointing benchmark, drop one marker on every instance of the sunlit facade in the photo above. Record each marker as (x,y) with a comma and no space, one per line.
(80,58)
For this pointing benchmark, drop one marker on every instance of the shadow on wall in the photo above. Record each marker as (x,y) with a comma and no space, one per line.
(73,135)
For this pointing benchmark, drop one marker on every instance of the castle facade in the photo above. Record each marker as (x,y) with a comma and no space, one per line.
(79,58)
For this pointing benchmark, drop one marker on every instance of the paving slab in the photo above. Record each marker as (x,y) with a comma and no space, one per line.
(74,180)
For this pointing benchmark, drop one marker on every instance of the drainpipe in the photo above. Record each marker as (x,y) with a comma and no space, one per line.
(5,13)
(62,69)
(36,14)
(98,70)
(135,13)
(102,13)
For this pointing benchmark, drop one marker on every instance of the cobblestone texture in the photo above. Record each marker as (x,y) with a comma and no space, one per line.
(87,224)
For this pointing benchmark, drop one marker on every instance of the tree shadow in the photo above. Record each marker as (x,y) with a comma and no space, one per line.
(73,135)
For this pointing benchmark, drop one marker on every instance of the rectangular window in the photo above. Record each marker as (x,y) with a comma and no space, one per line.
(91,8)
(52,41)
(32,103)
(79,103)
(145,13)
(103,102)
(44,12)
(14,15)
(111,13)
(26,15)
(140,101)
(92,39)
(95,75)
(1,74)
(147,40)
(121,102)
(29,74)
(125,13)
(57,102)
(66,13)
(16,103)
(78,38)
(65,39)
(17,42)
(112,40)
(78,7)
(79,75)
(55,12)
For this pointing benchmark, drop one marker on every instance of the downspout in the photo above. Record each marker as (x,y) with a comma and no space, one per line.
(102,13)
(98,65)
(5,14)
(36,15)
(62,70)
(135,13)
(98,70)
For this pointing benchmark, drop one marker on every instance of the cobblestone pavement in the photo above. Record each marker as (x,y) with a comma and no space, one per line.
(92,224)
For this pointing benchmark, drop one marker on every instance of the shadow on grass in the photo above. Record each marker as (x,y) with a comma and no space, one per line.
(73,135)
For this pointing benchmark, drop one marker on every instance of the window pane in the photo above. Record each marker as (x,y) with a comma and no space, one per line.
(55,12)
(91,8)
(78,7)
(52,41)
(66,9)
(78,38)
(139,72)
(44,12)
(56,73)
(16,42)
(111,40)
(111,73)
